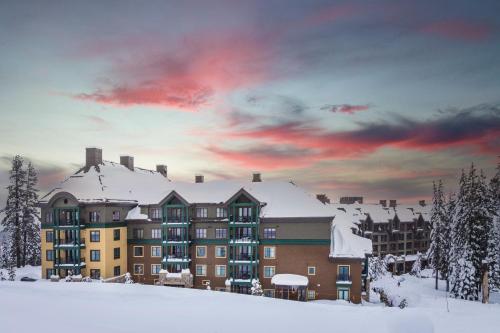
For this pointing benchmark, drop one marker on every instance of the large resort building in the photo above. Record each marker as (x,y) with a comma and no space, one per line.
(108,219)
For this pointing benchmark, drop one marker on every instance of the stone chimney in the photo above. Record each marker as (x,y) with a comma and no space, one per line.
(421,203)
(93,157)
(256,178)
(127,161)
(323,198)
(383,203)
(392,203)
(161,168)
(199,178)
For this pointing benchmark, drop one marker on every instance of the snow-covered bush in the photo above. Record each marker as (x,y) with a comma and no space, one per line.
(87,279)
(417,265)
(257,288)
(128,278)
(377,268)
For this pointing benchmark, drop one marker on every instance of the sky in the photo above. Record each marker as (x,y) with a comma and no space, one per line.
(367,98)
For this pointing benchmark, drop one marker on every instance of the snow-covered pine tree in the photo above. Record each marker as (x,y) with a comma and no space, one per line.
(11,271)
(2,277)
(30,227)
(417,265)
(435,252)
(493,248)
(14,209)
(446,240)
(377,267)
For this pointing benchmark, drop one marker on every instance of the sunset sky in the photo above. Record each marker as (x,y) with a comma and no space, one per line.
(370,98)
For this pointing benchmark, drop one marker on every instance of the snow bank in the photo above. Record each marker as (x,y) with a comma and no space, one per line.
(135,214)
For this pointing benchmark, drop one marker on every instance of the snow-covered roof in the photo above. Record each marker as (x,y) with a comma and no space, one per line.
(344,243)
(291,280)
(135,214)
(381,214)
(112,182)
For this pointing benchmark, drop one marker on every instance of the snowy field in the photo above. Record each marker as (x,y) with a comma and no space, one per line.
(97,307)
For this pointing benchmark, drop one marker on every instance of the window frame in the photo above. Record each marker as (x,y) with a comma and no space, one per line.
(225,270)
(136,232)
(308,295)
(221,212)
(159,269)
(204,269)
(201,247)
(95,232)
(47,255)
(119,270)
(98,252)
(94,216)
(142,251)
(119,253)
(199,230)
(114,234)
(113,216)
(137,265)
(273,269)
(155,247)
(273,248)
(95,270)
(309,270)
(266,234)
(218,230)
(225,251)
(201,212)
(51,238)
(156,230)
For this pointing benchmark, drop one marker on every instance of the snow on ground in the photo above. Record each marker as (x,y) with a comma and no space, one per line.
(33,272)
(106,307)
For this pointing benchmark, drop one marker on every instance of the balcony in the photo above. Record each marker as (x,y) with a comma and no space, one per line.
(242,257)
(243,220)
(243,240)
(344,279)
(241,276)
(176,259)
(176,239)
(69,242)
(181,221)
(69,262)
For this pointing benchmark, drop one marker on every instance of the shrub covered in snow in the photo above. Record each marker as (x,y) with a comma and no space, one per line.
(377,268)
(257,288)
(128,278)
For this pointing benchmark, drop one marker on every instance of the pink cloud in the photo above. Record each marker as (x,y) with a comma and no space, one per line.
(459,29)
(346,108)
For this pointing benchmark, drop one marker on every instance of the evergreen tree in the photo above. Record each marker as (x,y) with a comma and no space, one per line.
(417,266)
(493,247)
(446,240)
(11,271)
(30,227)
(14,209)
(377,267)
(2,277)
(437,222)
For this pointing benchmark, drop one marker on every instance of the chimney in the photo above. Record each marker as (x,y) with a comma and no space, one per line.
(392,203)
(421,203)
(323,198)
(256,178)
(127,161)
(383,203)
(199,179)
(161,168)
(93,157)
(351,200)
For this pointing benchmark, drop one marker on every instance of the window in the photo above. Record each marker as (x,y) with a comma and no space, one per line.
(201,212)
(375,238)
(343,273)
(201,270)
(95,236)
(155,269)
(95,274)
(343,294)
(201,233)
(155,213)
(116,234)
(94,216)
(311,294)
(201,252)
(116,253)
(155,251)
(269,293)
(49,236)
(220,233)
(138,251)
(220,270)
(311,270)
(221,212)
(269,271)
(138,269)
(220,251)
(245,211)
(48,217)
(383,238)
(116,215)
(138,233)
(269,252)
(156,233)
(270,233)
(50,255)
(95,255)
(49,272)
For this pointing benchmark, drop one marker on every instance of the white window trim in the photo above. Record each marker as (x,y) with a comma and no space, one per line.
(225,271)
(133,252)
(200,246)
(311,291)
(152,269)
(308,272)
(269,277)
(225,251)
(155,246)
(196,270)
(133,266)
(270,247)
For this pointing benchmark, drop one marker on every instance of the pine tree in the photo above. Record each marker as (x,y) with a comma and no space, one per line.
(377,267)
(417,266)
(11,271)
(446,240)
(30,228)
(2,277)
(493,247)
(14,209)
(437,222)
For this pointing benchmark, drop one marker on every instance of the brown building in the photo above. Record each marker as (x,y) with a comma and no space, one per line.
(109,218)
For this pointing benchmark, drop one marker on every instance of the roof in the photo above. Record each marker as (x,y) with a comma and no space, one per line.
(381,214)
(344,243)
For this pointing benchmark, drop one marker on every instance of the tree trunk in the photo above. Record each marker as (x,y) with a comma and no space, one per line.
(437,274)
(447,284)
(486,291)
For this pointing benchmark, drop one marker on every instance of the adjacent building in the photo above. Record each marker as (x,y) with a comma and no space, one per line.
(111,218)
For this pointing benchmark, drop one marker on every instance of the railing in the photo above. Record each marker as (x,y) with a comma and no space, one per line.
(68,222)
(343,277)
(176,239)
(176,256)
(68,261)
(241,276)
(176,220)
(69,241)
(241,257)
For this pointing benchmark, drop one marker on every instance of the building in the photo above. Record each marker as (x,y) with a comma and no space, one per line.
(110,218)
(397,231)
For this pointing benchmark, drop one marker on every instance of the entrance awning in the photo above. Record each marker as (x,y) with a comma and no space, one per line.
(291,280)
